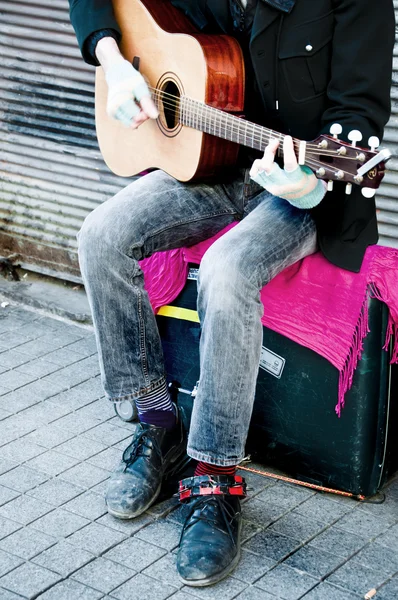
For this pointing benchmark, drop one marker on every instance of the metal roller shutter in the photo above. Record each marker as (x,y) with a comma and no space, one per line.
(51,171)
(387,196)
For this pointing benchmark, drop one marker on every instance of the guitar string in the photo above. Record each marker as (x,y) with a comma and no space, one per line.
(257,137)
(177,101)
(313,162)
(296,143)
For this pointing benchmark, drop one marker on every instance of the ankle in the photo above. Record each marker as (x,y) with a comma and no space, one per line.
(203,468)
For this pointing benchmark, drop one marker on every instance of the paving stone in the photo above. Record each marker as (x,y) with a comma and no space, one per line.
(321,508)
(6,495)
(27,542)
(297,526)
(249,529)
(70,590)
(389,591)
(44,412)
(4,413)
(91,506)
(314,561)
(103,575)
(251,567)
(56,492)
(6,595)
(128,527)
(7,527)
(271,544)
(60,523)
(7,465)
(8,562)
(253,593)
(163,508)
(135,554)
(28,580)
(108,459)
(63,558)
(85,475)
(100,409)
(363,524)
(81,447)
(49,436)
(86,346)
(389,538)
(379,558)
(388,512)
(13,380)
(39,367)
(357,578)
(77,423)
(325,591)
(97,539)
(14,427)
(38,347)
(288,583)
(107,433)
(11,339)
(338,542)
(52,463)
(64,356)
(285,496)
(224,590)
(165,570)
(161,533)
(14,402)
(24,509)
(262,512)
(22,479)
(142,586)
(21,450)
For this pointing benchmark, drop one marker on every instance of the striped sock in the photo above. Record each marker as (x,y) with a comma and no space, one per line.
(203,468)
(156,408)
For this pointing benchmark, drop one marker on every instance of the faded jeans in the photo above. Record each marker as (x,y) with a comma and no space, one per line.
(155,213)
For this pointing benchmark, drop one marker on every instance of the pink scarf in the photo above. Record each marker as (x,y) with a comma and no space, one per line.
(313,302)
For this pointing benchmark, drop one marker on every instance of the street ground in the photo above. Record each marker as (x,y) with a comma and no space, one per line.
(59,441)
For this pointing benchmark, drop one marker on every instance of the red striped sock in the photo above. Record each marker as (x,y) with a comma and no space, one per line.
(203,468)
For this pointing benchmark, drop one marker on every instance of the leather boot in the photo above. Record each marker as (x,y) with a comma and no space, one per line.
(210,541)
(136,483)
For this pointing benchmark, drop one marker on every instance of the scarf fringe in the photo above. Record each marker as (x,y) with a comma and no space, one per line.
(355,353)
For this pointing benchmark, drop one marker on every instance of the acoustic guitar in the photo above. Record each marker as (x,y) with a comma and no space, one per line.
(197,82)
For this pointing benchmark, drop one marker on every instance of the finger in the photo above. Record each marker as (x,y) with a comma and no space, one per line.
(126,112)
(267,162)
(139,119)
(148,106)
(289,156)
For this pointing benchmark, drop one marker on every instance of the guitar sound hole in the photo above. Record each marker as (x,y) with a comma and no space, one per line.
(170,104)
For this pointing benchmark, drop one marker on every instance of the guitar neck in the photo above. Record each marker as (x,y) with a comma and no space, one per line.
(221,124)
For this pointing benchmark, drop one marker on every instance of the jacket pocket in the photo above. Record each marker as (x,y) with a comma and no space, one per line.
(304,54)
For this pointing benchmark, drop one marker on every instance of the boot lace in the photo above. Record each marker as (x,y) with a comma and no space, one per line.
(211,516)
(137,448)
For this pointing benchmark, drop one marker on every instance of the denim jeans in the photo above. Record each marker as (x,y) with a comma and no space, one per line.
(155,213)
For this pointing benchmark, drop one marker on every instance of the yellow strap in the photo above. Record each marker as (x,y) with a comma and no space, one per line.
(179,313)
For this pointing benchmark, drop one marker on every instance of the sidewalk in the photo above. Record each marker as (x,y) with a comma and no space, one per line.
(59,440)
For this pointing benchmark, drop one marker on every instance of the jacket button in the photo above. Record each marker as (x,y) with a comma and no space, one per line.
(308,47)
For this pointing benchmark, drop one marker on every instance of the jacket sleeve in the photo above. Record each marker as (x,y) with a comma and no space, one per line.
(361,67)
(89,17)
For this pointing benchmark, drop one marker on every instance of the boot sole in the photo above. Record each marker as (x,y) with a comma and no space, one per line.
(219,576)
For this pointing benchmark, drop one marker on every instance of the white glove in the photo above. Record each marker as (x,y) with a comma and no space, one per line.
(296,184)
(126,90)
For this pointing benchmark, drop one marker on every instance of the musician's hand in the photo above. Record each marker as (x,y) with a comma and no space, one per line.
(296,184)
(129,99)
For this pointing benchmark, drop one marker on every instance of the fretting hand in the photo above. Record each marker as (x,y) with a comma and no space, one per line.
(294,183)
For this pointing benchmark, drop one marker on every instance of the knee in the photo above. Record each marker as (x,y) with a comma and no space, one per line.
(220,277)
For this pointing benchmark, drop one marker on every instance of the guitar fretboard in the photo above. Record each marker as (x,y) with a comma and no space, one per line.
(211,120)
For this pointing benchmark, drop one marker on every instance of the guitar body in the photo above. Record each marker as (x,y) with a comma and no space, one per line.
(176,60)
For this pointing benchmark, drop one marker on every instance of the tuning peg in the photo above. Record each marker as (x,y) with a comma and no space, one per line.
(373,142)
(348,189)
(330,185)
(368,192)
(335,130)
(355,136)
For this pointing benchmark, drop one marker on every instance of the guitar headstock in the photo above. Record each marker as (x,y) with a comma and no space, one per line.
(332,159)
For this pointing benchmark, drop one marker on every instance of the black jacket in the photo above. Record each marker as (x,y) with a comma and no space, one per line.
(325,61)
